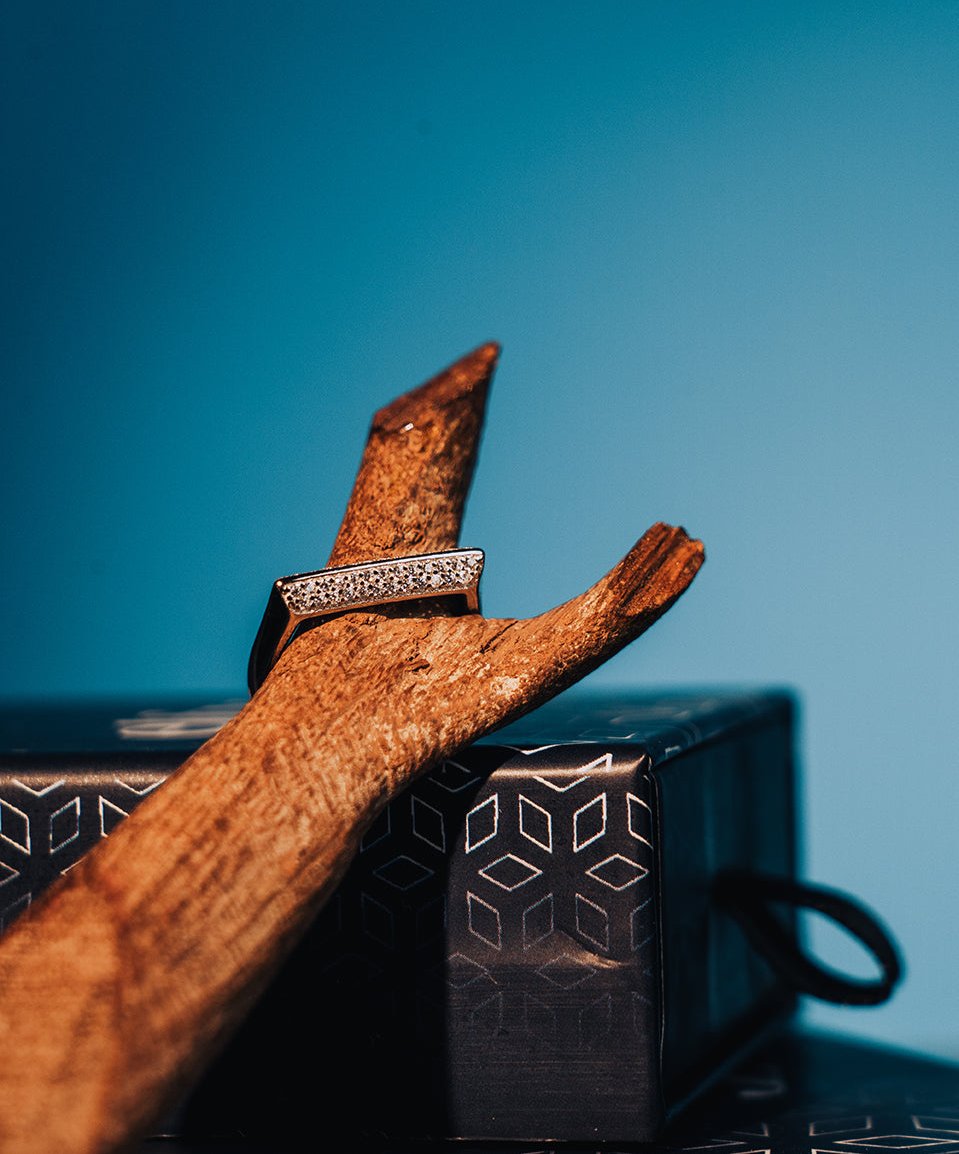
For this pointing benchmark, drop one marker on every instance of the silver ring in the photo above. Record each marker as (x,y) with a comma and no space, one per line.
(306,597)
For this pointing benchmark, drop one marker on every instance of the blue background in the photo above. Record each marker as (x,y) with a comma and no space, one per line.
(719,245)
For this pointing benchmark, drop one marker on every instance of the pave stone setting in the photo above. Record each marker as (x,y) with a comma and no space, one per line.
(381,582)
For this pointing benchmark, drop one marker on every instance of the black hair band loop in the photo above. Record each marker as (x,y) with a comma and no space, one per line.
(749,898)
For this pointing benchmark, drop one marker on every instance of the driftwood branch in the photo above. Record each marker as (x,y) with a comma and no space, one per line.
(119,986)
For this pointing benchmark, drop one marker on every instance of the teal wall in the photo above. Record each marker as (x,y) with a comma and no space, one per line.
(719,245)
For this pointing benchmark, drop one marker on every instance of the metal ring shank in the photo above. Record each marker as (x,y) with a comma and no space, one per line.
(308,596)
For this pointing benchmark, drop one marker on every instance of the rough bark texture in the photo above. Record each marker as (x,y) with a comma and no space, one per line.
(417,466)
(118,987)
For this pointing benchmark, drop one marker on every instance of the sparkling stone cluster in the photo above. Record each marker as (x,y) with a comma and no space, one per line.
(383,581)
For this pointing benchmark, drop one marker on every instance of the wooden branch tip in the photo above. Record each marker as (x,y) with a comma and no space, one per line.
(416,469)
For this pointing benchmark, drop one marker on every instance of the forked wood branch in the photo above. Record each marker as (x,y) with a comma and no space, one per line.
(123,981)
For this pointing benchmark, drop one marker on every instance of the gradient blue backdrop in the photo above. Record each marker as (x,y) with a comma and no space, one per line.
(719,245)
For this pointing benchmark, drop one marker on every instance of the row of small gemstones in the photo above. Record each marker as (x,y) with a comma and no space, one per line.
(384,582)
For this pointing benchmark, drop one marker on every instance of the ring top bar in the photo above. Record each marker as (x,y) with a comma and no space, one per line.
(381,582)
(309,596)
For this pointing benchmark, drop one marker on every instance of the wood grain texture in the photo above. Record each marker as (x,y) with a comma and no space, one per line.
(417,466)
(118,987)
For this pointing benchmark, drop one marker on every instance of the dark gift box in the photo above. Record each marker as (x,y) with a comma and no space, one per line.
(528,945)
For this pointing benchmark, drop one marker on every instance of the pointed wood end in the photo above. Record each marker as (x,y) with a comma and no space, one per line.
(416,468)
(467,379)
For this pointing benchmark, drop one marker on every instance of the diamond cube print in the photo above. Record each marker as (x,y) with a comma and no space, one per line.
(110,816)
(453,777)
(938,1122)
(428,823)
(65,825)
(566,972)
(892,1142)
(484,921)
(538,922)
(509,872)
(589,823)
(618,872)
(14,826)
(403,872)
(482,823)
(535,824)
(462,971)
(641,926)
(592,921)
(640,819)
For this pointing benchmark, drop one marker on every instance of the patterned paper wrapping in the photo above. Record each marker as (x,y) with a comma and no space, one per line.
(521,951)
(49,820)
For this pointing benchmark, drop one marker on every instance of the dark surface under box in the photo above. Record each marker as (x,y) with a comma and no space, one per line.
(802,1093)
(526,947)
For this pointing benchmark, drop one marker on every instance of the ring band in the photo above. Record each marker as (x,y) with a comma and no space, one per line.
(307,596)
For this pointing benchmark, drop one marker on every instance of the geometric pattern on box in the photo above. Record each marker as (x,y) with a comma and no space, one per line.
(555,907)
(48,822)
(493,960)
(524,946)
(510,914)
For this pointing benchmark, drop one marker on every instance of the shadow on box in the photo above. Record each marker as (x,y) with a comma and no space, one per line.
(363,996)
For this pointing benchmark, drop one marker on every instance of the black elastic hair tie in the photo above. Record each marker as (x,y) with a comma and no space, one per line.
(749,898)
